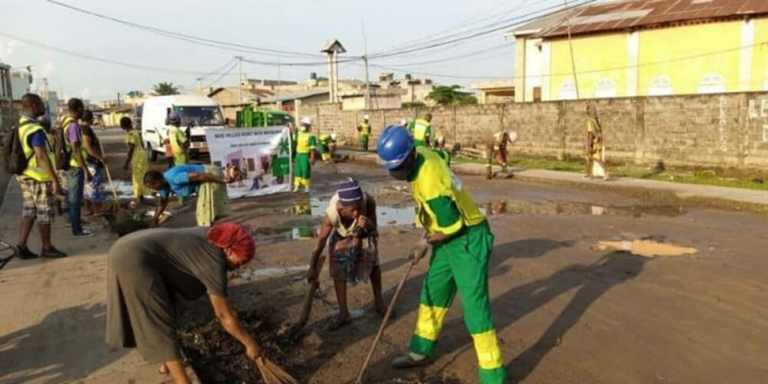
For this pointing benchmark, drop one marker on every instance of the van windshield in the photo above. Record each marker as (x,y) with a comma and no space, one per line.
(197,116)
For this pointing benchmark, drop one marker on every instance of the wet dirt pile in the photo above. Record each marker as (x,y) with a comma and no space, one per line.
(124,221)
(217,357)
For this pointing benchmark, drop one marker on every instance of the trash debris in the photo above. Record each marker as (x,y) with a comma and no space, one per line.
(645,248)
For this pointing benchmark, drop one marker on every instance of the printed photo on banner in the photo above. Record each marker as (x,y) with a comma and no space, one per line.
(257,159)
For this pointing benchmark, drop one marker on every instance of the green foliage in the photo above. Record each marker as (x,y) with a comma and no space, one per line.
(450,95)
(164,89)
(415,104)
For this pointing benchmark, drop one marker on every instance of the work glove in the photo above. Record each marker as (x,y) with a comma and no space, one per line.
(419,251)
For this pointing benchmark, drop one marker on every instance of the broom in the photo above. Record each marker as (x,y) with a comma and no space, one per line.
(271,373)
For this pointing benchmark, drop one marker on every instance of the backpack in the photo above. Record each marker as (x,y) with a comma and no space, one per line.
(62,152)
(14,160)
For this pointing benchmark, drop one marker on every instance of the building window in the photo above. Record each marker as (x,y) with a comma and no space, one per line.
(712,83)
(606,87)
(661,86)
(568,90)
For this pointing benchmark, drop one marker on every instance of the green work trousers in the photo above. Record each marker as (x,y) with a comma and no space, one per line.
(461,264)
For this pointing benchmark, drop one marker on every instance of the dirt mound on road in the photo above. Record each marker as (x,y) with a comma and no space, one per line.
(217,357)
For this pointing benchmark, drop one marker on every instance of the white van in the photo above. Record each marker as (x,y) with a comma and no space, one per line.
(197,112)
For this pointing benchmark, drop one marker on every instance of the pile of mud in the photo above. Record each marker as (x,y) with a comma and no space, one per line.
(219,358)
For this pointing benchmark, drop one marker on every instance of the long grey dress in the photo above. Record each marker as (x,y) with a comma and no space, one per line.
(144,270)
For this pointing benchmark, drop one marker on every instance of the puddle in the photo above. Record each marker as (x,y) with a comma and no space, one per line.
(254,274)
(292,233)
(388,214)
(645,248)
(520,207)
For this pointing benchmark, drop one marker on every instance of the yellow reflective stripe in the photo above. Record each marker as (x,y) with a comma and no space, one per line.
(487,349)
(453,228)
(430,322)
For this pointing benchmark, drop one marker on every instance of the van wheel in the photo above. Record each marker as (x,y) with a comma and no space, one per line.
(151,154)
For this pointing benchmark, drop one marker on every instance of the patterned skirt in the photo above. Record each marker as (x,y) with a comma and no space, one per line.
(352,258)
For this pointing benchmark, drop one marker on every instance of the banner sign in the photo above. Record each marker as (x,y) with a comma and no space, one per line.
(258,159)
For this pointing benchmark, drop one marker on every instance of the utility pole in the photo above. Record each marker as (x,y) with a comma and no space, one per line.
(239,79)
(199,85)
(570,43)
(279,81)
(365,59)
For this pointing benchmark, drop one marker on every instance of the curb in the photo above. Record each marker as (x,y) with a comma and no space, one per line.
(710,196)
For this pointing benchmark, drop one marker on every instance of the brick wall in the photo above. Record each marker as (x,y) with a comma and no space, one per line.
(706,130)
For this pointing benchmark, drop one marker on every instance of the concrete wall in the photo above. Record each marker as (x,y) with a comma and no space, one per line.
(703,130)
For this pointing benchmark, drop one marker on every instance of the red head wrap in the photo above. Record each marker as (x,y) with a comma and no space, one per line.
(234,237)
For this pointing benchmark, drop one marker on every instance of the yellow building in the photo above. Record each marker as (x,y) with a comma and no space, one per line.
(643,48)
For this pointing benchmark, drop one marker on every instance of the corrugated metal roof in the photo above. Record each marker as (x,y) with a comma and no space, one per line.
(630,14)
(295,96)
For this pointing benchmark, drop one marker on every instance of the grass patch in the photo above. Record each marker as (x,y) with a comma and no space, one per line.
(728,177)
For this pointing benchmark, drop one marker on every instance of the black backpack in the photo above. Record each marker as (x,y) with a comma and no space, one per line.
(14,160)
(61,151)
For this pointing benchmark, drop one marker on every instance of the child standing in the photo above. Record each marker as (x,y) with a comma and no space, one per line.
(137,160)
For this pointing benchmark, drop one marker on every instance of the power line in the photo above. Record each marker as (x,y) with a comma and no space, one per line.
(188,38)
(231,68)
(102,60)
(570,73)
(486,30)
(469,22)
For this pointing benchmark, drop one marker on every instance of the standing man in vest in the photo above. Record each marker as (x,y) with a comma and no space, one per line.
(306,142)
(39,182)
(179,141)
(364,129)
(462,242)
(78,172)
(422,130)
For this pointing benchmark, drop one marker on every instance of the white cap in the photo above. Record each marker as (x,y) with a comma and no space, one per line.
(403,122)
(334,136)
(306,120)
(366,117)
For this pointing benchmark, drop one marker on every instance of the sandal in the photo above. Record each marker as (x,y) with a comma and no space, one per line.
(338,323)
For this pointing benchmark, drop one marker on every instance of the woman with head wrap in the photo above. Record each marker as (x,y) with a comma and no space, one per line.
(147,269)
(350,223)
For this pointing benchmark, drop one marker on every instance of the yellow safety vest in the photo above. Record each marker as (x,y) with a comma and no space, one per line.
(365,129)
(305,142)
(420,129)
(177,137)
(436,180)
(26,128)
(65,125)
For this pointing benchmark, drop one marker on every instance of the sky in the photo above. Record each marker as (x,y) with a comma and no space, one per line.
(297,26)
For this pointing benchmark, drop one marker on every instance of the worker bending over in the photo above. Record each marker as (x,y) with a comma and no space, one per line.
(207,181)
(461,240)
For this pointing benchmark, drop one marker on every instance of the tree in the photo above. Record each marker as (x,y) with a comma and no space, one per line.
(164,89)
(136,93)
(450,95)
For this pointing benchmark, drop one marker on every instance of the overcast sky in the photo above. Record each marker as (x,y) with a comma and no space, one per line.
(300,25)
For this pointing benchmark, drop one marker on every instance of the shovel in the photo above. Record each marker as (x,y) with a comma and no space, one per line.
(384,323)
(306,307)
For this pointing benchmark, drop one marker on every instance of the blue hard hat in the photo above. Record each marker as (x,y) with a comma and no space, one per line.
(175,116)
(394,146)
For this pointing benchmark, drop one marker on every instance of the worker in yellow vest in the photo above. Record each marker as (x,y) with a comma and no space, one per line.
(39,181)
(178,139)
(462,242)
(421,129)
(78,172)
(364,129)
(306,143)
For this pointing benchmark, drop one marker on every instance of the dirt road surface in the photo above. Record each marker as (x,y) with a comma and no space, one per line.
(565,313)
